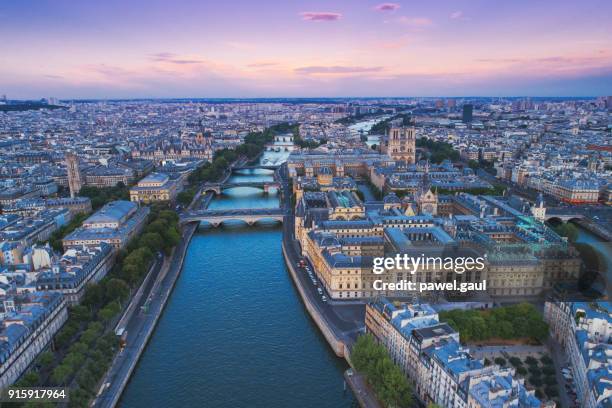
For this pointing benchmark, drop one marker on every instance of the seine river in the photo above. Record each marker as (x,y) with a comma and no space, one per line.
(234,332)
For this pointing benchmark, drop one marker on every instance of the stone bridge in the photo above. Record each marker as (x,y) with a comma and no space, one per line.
(563,216)
(259,166)
(217,217)
(219,187)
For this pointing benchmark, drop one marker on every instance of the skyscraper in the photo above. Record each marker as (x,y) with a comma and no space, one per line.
(74,174)
(468,109)
(609,103)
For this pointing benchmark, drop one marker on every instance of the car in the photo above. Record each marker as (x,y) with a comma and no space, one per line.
(320,291)
(324,298)
(314,282)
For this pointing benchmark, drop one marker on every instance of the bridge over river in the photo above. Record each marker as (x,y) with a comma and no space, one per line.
(249,215)
(219,187)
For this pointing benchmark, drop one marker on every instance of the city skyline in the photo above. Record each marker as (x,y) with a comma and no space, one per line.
(304,49)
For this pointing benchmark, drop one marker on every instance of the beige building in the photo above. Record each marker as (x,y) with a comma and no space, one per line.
(399,144)
(154,187)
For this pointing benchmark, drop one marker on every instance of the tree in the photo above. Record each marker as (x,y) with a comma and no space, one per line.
(61,373)
(515,361)
(152,240)
(45,359)
(117,289)
(500,361)
(545,359)
(568,230)
(109,311)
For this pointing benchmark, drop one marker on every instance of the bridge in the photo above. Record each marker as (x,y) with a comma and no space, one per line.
(258,166)
(563,215)
(219,187)
(248,215)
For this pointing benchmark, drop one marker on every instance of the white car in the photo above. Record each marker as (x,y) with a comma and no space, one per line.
(324,298)
(320,291)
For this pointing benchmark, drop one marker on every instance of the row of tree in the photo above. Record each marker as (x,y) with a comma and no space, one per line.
(102,195)
(56,237)
(438,151)
(594,263)
(507,322)
(383,126)
(386,379)
(84,347)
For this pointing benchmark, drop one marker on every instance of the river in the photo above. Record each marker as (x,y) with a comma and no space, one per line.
(365,126)
(234,332)
(605,248)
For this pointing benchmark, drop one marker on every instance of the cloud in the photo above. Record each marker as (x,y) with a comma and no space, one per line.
(53,76)
(320,16)
(262,64)
(393,44)
(456,15)
(336,69)
(416,22)
(171,58)
(387,7)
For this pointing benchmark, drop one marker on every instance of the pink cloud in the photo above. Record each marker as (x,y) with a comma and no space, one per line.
(320,16)
(171,58)
(387,7)
(418,22)
(336,69)
(262,64)
(456,15)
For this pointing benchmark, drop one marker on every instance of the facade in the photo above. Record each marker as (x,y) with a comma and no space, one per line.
(523,257)
(354,163)
(441,370)
(75,270)
(28,323)
(584,329)
(116,224)
(400,144)
(154,187)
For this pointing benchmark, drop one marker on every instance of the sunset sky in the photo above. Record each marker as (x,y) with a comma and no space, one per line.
(258,48)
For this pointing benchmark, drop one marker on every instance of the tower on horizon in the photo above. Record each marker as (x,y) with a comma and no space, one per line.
(468,110)
(74,174)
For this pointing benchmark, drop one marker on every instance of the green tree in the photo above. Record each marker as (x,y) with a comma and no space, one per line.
(117,289)
(152,240)
(46,359)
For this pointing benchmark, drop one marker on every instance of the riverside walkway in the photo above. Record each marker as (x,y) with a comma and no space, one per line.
(142,324)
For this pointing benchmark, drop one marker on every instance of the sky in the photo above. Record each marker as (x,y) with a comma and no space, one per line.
(318,48)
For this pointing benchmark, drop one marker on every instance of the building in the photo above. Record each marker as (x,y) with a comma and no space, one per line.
(522,257)
(354,163)
(468,110)
(77,268)
(584,329)
(154,187)
(116,224)
(400,144)
(74,174)
(27,325)
(441,370)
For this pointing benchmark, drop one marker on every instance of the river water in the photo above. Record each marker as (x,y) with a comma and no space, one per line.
(234,332)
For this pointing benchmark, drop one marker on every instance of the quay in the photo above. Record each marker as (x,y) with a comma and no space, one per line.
(141,324)
(361,390)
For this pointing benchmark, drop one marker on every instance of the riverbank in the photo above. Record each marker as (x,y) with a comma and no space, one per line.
(333,339)
(141,326)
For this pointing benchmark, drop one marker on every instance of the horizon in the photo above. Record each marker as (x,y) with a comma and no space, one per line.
(314,49)
(310,98)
